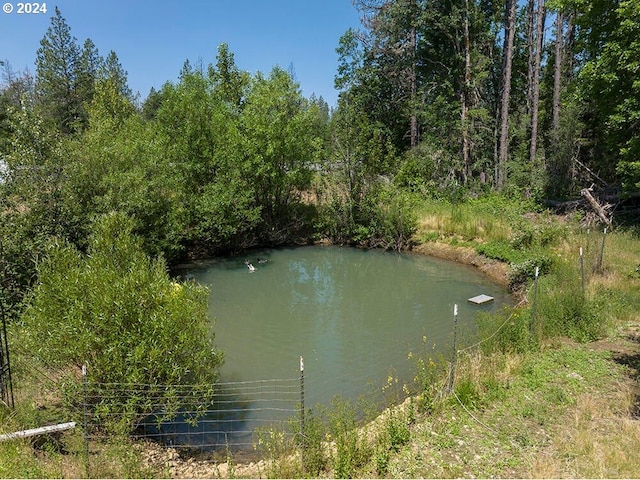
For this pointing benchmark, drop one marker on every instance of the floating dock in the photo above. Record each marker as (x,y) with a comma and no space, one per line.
(481,299)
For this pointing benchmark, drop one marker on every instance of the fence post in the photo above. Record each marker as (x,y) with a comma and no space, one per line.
(604,235)
(85,421)
(302,433)
(582,270)
(452,371)
(533,306)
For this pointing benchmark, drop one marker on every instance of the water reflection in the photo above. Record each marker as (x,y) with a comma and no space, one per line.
(354,315)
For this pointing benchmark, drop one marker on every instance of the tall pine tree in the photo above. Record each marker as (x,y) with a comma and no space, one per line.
(65,76)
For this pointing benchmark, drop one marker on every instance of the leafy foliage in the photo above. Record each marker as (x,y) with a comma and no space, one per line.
(119,312)
(610,86)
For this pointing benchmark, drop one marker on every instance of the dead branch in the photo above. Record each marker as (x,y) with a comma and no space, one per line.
(599,209)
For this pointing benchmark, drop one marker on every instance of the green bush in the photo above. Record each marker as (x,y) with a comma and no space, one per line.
(502,251)
(535,234)
(397,427)
(385,218)
(351,448)
(390,217)
(315,457)
(467,393)
(523,263)
(118,311)
(520,273)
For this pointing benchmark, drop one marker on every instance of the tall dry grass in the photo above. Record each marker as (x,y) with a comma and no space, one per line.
(599,438)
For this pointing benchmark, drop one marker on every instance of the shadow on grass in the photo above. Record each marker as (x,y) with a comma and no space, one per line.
(629,356)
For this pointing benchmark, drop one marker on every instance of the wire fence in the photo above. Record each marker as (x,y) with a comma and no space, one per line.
(220,416)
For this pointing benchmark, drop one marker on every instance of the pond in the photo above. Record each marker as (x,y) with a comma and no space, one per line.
(359,318)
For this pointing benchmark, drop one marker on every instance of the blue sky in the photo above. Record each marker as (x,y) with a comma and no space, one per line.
(154,38)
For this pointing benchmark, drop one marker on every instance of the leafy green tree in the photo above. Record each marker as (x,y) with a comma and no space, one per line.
(428,71)
(350,60)
(229,81)
(110,104)
(117,311)
(199,137)
(33,204)
(16,90)
(118,165)
(377,68)
(392,57)
(611,91)
(279,147)
(359,150)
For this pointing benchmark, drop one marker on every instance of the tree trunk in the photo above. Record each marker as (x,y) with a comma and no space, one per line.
(569,45)
(539,41)
(531,42)
(414,119)
(557,73)
(509,27)
(464,98)
(599,209)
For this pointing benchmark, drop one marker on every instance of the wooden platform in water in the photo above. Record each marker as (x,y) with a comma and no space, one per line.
(481,299)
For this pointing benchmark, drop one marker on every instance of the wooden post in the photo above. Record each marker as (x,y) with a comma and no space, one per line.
(604,235)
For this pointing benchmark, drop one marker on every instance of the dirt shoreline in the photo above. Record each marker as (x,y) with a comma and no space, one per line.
(496,270)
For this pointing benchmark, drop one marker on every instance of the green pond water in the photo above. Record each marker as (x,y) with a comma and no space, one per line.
(354,316)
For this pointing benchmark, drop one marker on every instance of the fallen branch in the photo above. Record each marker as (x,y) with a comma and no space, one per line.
(38,431)
(600,210)
(564,206)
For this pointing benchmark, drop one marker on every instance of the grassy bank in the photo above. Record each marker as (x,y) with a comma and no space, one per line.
(560,402)
(549,391)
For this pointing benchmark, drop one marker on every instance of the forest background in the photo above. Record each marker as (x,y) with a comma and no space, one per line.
(444,99)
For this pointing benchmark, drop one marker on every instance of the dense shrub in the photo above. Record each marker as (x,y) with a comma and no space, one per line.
(385,218)
(500,250)
(119,312)
(393,220)
(521,272)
